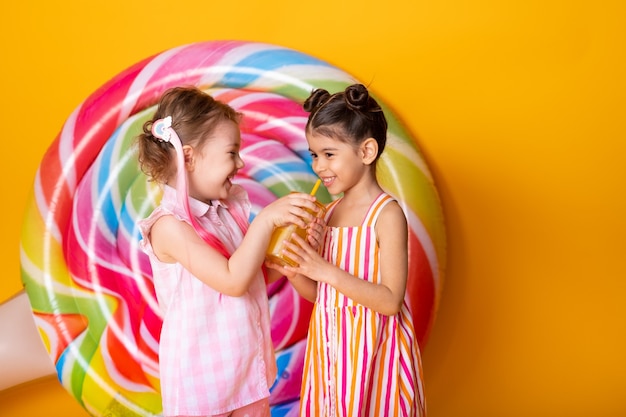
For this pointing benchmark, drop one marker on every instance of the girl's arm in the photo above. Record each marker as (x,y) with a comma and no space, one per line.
(176,241)
(272,274)
(386,297)
(307,288)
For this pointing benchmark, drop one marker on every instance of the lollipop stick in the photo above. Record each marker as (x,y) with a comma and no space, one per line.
(316,186)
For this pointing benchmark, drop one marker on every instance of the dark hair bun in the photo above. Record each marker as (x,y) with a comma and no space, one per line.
(316,99)
(357,97)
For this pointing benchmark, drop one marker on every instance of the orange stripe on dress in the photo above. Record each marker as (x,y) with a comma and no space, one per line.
(358,256)
(355,364)
(376,276)
(339,251)
(381,375)
(375,209)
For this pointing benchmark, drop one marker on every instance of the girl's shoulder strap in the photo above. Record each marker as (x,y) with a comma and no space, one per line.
(377,206)
(330,207)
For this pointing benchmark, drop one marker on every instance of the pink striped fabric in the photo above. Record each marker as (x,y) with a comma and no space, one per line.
(359,362)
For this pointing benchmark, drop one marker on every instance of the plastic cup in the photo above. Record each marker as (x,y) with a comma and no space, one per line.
(284,233)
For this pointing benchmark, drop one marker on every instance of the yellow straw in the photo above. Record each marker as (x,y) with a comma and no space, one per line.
(316,186)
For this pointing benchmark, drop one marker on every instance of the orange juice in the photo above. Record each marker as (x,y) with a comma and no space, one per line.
(280,234)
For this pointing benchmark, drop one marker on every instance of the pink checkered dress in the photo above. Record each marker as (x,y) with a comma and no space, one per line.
(215,351)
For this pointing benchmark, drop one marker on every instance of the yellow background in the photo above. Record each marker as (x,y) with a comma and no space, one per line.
(519,107)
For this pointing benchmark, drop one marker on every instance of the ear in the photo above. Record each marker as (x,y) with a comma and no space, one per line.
(369,150)
(188,152)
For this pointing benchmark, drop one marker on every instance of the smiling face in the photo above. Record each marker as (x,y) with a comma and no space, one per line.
(212,166)
(341,166)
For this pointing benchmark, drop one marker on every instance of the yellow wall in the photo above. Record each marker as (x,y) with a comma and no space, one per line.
(519,107)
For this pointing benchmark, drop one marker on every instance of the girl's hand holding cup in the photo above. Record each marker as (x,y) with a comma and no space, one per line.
(311,230)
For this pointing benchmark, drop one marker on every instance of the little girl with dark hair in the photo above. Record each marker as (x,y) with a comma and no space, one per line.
(362,356)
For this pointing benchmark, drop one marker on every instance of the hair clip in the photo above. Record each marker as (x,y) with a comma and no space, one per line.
(161,129)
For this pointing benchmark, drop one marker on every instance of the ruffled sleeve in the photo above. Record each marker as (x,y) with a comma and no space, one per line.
(145,227)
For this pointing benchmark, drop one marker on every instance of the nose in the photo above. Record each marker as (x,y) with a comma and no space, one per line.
(240,163)
(317,165)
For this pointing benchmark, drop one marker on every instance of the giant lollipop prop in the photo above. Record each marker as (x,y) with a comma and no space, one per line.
(88,283)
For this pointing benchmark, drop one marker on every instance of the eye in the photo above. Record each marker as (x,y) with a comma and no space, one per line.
(313,155)
(329,154)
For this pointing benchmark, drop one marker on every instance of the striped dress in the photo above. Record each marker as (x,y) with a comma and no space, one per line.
(359,362)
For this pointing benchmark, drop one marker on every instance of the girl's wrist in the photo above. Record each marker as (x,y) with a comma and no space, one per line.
(265,220)
(328,278)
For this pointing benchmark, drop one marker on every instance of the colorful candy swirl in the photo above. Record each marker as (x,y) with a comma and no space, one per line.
(89,284)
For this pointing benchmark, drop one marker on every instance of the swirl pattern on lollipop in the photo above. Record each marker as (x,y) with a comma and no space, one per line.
(88,282)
